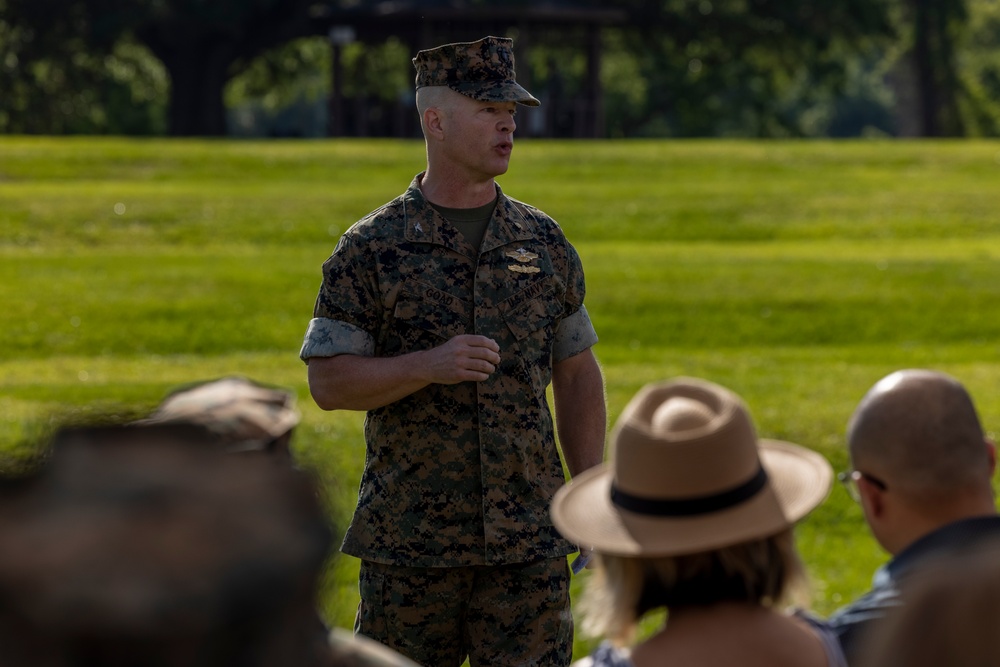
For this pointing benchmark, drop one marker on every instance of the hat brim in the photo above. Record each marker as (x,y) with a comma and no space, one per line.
(495,91)
(799,480)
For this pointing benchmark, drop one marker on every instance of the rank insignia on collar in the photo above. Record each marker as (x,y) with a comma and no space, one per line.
(521,255)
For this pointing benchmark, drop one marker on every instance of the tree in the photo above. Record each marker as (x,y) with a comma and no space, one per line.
(745,67)
(936,27)
(979,68)
(52,81)
(675,68)
(200,44)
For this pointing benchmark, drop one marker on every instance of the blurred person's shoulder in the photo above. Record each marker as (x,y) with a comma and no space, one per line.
(606,655)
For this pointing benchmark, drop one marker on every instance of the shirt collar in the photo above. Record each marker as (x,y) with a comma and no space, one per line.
(952,537)
(423,224)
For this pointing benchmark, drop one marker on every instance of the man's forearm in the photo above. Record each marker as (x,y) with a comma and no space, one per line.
(353,382)
(581,414)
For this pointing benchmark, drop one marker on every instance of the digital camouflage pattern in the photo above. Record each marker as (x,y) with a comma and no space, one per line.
(513,614)
(461,474)
(482,70)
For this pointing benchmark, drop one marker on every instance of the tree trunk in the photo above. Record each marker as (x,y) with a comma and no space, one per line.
(934,61)
(926,70)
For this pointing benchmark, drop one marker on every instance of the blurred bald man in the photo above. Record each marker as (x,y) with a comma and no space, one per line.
(921,469)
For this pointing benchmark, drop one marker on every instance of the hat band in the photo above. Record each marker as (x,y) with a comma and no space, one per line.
(690,506)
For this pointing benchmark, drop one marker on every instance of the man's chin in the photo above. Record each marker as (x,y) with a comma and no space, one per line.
(501,167)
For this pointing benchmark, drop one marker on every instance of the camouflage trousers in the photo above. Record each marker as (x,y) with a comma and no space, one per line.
(507,615)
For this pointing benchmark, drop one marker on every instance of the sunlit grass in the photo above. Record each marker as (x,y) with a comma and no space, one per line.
(796,273)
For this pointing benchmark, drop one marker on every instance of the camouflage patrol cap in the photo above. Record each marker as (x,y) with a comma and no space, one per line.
(482,70)
(245,414)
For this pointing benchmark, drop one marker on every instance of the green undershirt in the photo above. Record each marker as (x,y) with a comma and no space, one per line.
(471,222)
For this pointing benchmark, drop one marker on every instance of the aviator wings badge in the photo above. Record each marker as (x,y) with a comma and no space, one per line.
(522,256)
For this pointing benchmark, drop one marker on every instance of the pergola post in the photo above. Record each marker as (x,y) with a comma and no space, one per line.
(339,36)
(595,94)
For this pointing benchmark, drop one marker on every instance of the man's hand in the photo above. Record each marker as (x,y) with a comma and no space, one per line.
(461,359)
(584,560)
(353,382)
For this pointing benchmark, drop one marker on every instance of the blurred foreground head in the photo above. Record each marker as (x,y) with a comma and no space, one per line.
(147,545)
(949,616)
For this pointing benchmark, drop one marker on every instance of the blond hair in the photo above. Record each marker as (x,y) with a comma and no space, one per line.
(767,572)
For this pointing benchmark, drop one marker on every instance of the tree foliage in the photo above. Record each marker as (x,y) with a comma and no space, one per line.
(978,65)
(745,67)
(199,44)
(753,68)
(52,80)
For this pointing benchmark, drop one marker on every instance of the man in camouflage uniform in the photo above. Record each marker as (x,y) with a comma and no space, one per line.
(446,314)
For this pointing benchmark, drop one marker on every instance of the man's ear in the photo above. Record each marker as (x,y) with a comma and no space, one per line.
(434,122)
(871,497)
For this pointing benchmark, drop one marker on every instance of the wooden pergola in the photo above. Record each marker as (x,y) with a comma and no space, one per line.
(428,23)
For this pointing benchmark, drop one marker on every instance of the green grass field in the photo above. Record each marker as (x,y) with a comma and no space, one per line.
(795,273)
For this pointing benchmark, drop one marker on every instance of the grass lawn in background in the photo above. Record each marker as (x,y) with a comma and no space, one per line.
(795,273)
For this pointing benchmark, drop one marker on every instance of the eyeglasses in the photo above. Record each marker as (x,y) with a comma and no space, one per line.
(849,478)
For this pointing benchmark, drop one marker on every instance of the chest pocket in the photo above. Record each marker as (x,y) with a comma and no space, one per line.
(424,309)
(538,307)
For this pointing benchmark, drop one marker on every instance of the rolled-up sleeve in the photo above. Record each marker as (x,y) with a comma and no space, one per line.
(345,316)
(575,332)
(328,338)
(573,335)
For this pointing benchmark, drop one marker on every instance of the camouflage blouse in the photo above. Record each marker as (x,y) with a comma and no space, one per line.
(456,474)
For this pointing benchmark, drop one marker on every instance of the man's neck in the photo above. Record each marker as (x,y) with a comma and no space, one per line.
(456,192)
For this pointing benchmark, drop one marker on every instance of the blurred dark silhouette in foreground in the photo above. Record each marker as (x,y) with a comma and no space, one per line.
(151,545)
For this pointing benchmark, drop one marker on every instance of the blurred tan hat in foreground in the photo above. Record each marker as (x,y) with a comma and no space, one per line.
(246,415)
